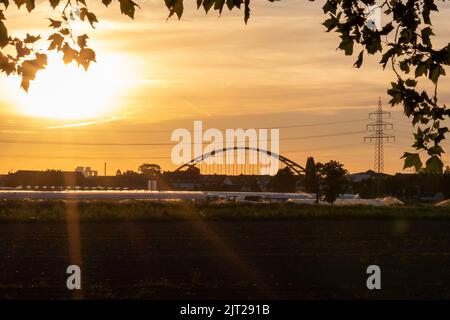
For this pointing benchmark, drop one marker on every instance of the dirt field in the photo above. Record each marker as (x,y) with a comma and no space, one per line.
(268,259)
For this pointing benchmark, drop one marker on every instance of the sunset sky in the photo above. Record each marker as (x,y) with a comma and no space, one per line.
(153,76)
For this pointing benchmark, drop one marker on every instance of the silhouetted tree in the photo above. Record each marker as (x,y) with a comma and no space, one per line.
(150,169)
(284,181)
(333,180)
(192,173)
(310,181)
(130,173)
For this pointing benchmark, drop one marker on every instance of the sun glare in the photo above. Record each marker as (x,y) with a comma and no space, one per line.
(69,92)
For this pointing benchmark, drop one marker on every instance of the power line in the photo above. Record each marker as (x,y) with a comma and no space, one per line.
(81,158)
(326,135)
(352,145)
(303,125)
(77,143)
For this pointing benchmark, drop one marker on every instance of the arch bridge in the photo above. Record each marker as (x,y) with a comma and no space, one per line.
(295,167)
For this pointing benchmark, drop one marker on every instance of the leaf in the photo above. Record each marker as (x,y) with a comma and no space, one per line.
(175,7)
(436,150)
(411,83)
(81,40)
(219,5)
(128,7)
(5,3)
(69,54)
(330,6)
(434,164)
(404,65)
(41,60)
(359,62)
(55,23)
(19,3)
(426,33)
(331,23)
(28,69)
(84,13)
(4,39)
(64,31)
(428,6)
(207,4)
(412,160)
(387,29)
(231,4)
(386,56)
(346,45)
(56,41)
(373,43)
(436,71)
(421,69)
(246,10)
(30,5)
(6,65)
(178,8)
(54,3)
(21,49)
(31,39)
(85,57)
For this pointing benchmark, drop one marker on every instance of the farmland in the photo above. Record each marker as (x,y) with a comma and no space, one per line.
(185,250)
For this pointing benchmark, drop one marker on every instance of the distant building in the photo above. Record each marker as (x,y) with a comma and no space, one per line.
(219,182)
(361,176)
(86,171)
(215,182)
(49,178)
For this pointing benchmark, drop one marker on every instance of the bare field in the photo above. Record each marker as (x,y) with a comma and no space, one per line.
(229,259)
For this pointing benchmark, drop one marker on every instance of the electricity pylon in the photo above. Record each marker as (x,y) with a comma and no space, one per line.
(379,137)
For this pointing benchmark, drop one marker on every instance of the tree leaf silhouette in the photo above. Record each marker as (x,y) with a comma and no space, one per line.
(69,54)
(56,41)
(29,68)
(3,35)
(128,7)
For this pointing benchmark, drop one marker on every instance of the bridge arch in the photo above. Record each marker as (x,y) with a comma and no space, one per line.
(295,167)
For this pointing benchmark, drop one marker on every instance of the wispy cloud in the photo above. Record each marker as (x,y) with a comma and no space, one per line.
(83,124)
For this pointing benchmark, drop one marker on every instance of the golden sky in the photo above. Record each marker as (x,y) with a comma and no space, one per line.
(153,76)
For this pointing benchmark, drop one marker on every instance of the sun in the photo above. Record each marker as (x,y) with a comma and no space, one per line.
(69,92)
